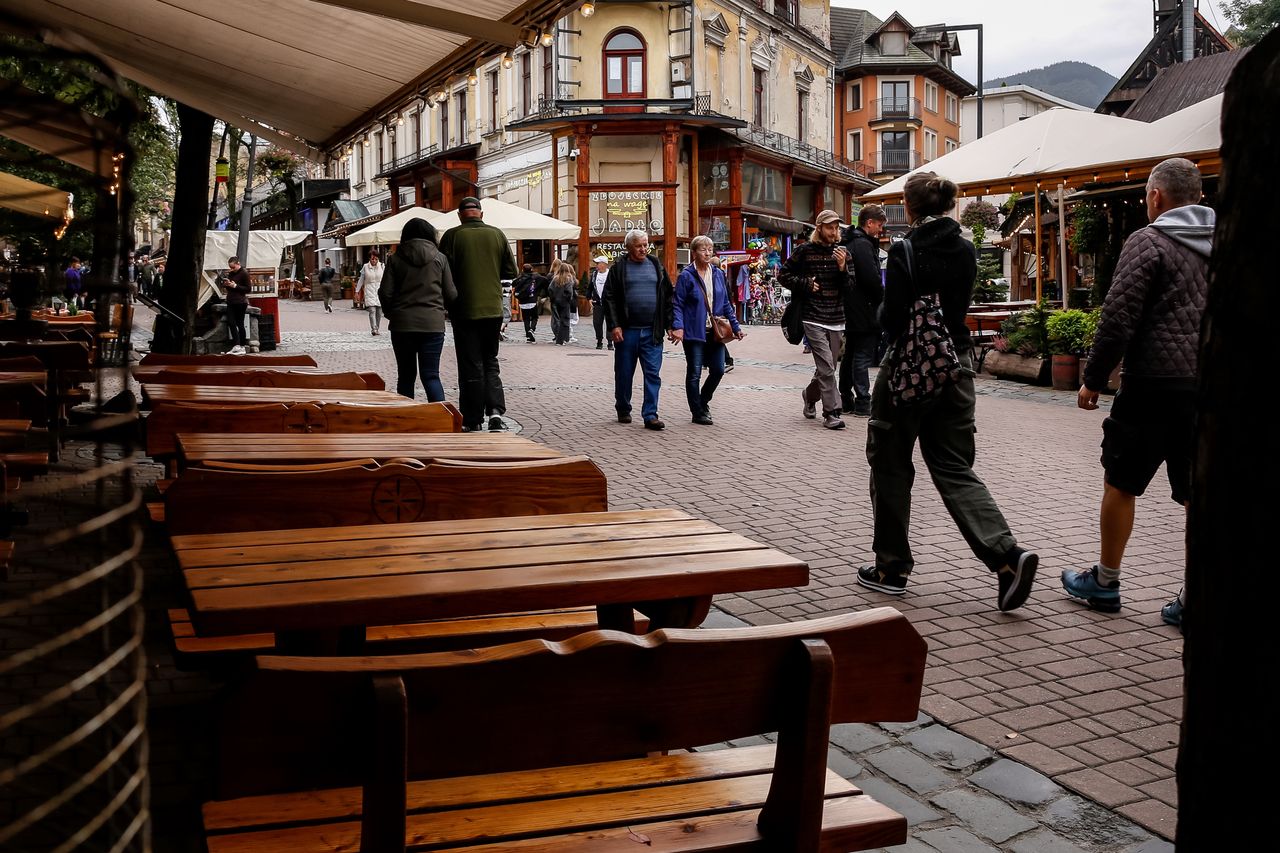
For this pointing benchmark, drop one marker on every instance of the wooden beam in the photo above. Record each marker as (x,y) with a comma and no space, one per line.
(423,14)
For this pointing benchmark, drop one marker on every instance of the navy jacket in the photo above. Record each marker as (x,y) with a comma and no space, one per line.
(689,307)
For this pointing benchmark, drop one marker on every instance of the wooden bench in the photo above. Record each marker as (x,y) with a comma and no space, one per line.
(167,420)
(350,380)
(231,498)
(541,746)
(154,358)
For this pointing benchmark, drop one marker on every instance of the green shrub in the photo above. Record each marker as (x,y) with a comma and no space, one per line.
(1025,332)
(1071,332)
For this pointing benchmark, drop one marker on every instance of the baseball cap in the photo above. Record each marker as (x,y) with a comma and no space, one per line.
(470,202)
(826,216)
(601,259)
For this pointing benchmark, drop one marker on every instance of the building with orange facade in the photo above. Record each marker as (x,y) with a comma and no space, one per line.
(898,103)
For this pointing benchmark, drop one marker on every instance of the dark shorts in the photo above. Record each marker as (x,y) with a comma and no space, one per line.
(1148,427)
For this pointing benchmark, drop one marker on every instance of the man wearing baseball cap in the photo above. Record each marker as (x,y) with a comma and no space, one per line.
(592,286)
(818,274)
(479,258)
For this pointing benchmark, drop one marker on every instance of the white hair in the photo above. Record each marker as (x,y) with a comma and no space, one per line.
(701,240)
(634,236)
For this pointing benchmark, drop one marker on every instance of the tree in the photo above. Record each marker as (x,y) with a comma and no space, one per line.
(1251,19)
(186,249)
(1227,521)
(282,168)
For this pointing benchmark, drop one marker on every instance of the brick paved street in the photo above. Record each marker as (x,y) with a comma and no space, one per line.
(1049,729)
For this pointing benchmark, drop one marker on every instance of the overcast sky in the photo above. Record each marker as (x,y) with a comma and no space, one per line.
(1018,36)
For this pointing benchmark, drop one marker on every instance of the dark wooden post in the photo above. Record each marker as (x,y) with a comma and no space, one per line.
(181,286)
(1222,805)
(736,240)
(670,230)
(582,141)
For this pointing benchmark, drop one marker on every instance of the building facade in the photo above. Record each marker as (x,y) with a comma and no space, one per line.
(899,101)
(700,117)
(1007,105)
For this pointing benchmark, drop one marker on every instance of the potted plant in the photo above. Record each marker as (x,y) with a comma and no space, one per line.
(1069,334)
(1019,351)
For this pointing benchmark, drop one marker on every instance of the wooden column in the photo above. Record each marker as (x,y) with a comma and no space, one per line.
(790,173)
(419,198)
(394,186)
(1039,260)
(735,200)
(670,159)
(694,186)
(446,190)
(582,141)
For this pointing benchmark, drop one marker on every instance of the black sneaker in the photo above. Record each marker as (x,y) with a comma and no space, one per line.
(861,410)
(1015,578)
(497,424)
(704,420)
(624,417)
(889,583)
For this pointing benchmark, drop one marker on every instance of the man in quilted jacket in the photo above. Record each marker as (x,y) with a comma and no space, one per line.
(1151,318)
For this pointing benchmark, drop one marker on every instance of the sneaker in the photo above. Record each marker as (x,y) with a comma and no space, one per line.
(610,345)
(572,340)
(862,410)
(810,409)
(624,417)
(1085,585)
(600,345)
(704,420)
(655,424)
(1171,613)
(1015,578)
(497,424)
(832,422)
(728,368)
(236,350)
(882,581)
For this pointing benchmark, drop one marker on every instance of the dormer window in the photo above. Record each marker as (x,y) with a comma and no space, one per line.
(893,44)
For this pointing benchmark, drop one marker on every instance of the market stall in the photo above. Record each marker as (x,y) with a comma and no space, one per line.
(262,263)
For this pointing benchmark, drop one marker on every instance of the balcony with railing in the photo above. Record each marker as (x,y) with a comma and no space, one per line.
(795,149)
(896,109)
(407,161)
(895,162)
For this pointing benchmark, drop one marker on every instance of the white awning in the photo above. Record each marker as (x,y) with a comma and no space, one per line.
(384,232)
(516,222)
(34,199)
(313,69)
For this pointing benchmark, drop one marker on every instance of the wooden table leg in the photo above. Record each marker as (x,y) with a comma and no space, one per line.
(676,612)
(616,617)
(336,642)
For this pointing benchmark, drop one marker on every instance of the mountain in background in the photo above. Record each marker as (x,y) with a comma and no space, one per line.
(1078,82)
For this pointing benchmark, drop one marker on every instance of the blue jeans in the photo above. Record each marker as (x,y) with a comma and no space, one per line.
(637,345)
(696,354)
(418,352)
(859,354)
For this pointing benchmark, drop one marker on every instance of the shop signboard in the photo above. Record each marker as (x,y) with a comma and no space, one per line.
(625,210)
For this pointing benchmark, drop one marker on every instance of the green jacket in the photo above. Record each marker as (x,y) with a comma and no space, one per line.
(480,259)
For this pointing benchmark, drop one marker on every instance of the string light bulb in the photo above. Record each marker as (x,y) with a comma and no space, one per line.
(588,9)
(473,78)
(508,60)
(547,38)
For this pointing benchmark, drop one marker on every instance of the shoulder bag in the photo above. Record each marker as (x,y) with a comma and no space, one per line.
(924,359)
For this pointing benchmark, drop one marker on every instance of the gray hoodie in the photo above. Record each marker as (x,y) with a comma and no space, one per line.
(1151,316)
(417,288)
(1191,225)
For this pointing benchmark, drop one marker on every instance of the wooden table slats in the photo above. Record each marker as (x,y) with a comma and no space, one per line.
(230,395)
(301,448)
(482,566)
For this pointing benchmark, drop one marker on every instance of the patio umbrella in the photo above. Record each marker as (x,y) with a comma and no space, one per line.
(387,231)
(516,222)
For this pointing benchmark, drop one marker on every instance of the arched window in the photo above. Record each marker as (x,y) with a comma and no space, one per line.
(624,65)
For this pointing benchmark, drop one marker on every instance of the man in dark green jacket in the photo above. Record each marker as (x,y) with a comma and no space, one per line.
(479,258)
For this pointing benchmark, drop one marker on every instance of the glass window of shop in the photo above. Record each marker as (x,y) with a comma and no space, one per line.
(713,183)
(762,187)
(717,228)
(802,202)
(834,198)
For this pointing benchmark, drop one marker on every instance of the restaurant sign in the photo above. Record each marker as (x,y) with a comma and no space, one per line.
(625,211)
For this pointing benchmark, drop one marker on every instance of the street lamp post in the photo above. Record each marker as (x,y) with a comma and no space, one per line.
(246,206)
(977,27)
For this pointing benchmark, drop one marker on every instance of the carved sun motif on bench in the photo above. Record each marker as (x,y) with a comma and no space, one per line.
(398,499)
(305,419)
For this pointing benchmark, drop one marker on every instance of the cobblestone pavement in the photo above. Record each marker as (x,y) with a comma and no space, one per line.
(1052,728)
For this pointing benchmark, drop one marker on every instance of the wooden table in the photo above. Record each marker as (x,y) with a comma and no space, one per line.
(155,394)
(306,448)
(307,585)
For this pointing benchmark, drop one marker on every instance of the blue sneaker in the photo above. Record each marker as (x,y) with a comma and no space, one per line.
(1171,613)
(1103,598)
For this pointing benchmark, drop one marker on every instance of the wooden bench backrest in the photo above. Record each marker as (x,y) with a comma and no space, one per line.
(153,358)
(411,417)
(21,363)
(360,491)
(601,696)
(54,355)
(349,381)
(167,420)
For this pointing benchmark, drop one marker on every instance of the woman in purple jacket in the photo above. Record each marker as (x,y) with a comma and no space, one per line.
(700,284)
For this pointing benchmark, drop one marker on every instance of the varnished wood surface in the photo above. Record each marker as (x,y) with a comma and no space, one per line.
(252,359)
(148,372)
(271,378)
(223,497)
(276,449)
(432,571)
(156,394)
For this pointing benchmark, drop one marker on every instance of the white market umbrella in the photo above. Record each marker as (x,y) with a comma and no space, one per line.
(516,222)
(387,231)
